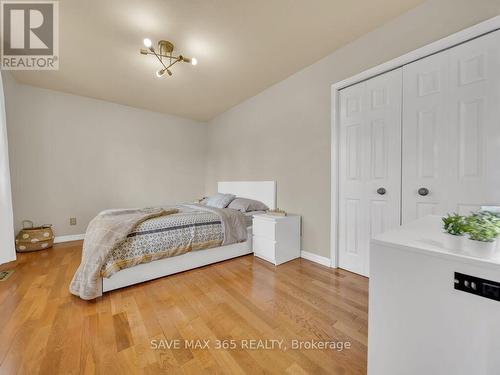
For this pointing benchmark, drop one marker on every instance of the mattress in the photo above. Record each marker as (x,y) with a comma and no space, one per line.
(188,230)
(164,237)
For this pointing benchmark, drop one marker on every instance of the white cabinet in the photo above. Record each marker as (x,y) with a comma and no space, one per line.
(428,134)
(419,323)
(276,238)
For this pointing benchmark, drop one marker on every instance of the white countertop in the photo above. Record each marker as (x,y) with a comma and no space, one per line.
(426,236)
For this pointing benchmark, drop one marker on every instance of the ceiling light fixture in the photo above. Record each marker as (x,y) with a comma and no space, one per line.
(165,56)
(160,73)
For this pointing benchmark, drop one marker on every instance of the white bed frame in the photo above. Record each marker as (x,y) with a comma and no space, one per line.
(264,191)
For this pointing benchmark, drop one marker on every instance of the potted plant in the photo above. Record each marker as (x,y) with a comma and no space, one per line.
(483,229)
(455,226)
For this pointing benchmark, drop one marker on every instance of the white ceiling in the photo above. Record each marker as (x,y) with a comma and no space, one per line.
(243,47)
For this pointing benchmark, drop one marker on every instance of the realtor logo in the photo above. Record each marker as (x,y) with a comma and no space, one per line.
(30,35)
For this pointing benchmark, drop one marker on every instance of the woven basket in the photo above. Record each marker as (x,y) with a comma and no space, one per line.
(32,238)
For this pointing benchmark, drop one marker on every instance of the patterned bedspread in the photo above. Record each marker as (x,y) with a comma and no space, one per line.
(166,236)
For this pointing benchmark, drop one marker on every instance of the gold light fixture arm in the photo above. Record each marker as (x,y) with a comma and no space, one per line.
(175,61)
(180,57)
(165,49)
(153,52)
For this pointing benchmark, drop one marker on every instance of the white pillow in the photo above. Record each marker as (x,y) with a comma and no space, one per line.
(220,200)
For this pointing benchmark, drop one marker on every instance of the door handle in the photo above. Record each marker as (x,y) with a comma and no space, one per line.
(381,191)
(423,191)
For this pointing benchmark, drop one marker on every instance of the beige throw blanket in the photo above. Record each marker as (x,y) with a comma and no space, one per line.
(105,232)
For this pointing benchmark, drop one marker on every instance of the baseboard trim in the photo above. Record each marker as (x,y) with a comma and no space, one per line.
(324,261)
(71,237)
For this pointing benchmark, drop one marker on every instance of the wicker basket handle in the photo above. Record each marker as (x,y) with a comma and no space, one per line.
(28,222)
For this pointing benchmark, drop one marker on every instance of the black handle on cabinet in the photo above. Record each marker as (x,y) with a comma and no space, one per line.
(423,191)
(381,191)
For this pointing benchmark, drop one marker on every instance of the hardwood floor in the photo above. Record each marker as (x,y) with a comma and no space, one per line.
(46,330)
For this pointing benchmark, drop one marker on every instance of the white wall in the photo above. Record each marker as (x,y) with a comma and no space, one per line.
(7,250)
(72,156)
(283,133)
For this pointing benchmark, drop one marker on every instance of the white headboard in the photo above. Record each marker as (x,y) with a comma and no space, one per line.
(264,191)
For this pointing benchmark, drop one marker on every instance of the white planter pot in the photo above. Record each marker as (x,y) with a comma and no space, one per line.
(481,249)
(455,243)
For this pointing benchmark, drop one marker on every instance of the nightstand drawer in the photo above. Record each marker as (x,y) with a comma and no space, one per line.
(264,228)
(264,247)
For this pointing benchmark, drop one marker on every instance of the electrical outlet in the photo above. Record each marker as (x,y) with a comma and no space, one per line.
(72,221)
(476,285)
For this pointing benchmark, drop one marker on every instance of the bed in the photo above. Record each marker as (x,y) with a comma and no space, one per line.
(264,191)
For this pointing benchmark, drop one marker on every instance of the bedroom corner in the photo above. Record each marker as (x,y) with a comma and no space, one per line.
(7,249)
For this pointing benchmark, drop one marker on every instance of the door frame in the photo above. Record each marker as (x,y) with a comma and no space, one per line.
(452,40)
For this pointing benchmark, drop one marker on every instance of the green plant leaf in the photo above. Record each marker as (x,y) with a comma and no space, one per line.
(454,224)
(481,226)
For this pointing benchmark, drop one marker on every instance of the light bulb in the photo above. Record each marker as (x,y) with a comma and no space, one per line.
(194,61)
(147,42)
(169,72)
(160,73)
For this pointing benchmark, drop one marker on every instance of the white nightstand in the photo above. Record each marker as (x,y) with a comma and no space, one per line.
(276,238)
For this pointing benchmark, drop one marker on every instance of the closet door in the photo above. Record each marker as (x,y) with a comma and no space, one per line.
(451,130)
(475,118)
(370,166)
(426,131)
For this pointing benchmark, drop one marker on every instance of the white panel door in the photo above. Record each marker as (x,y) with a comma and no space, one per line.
(451,130)
(370,166)
(475,120)
(425,161)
